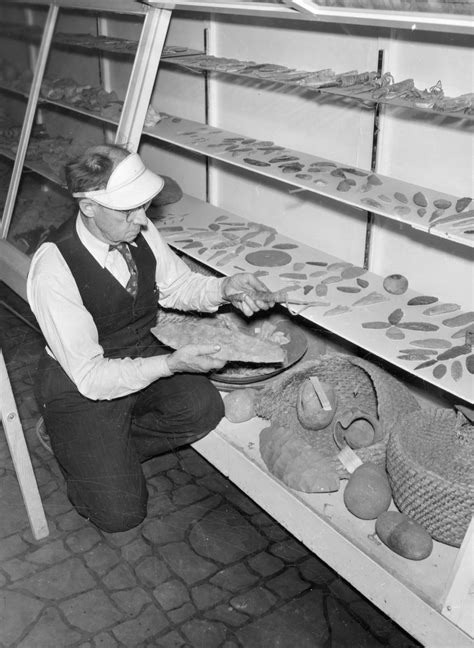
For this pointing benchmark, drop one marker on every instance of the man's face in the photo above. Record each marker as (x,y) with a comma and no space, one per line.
(113,226)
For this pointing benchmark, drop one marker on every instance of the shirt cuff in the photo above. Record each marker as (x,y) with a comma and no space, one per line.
(215,295)
(223,300)
(154,368)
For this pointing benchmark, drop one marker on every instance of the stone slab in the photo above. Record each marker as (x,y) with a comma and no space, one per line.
(59,581)
(186,563)
(136,631)
(226,536)
(50,630)
(300,623)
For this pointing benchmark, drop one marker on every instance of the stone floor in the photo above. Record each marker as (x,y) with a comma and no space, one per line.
(176,581)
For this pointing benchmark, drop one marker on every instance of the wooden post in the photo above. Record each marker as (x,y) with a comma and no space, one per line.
(142,79)
(21,456)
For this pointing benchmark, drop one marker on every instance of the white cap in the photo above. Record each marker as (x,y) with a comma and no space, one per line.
(130,185)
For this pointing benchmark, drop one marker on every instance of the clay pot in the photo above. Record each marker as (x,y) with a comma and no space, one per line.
(356,428)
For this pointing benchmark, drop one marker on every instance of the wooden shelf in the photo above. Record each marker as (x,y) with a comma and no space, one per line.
(224,241)
(37,166)
(404,103)
(63,104)
(255,71)
(382,195)
(88,41)
(100,116)
(23,94)
(390,198)
(410,592)
(197,60)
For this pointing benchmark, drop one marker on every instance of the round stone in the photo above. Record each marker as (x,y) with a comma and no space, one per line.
(268,258)
(395,284)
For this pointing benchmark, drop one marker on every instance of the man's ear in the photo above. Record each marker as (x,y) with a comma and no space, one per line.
(88,207)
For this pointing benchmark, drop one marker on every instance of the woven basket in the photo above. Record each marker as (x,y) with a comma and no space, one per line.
(430,467)
(357,383)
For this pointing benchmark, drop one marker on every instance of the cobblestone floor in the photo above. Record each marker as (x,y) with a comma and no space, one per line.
(176,581)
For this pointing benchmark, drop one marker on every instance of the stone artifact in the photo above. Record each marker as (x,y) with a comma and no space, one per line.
(310,407)
(235,345)
(367,493)
(296,463)
(395,284)
(403,535)
(240,405)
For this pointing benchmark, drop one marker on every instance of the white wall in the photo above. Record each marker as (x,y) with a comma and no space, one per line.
(431,151)
(295,119)
(413,146)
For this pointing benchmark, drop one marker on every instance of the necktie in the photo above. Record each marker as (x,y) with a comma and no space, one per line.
(132,284)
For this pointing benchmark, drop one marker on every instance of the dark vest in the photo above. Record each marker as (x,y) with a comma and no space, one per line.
(123,322)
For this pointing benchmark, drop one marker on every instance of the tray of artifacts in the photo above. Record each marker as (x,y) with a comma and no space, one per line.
(255,348)
(274,328)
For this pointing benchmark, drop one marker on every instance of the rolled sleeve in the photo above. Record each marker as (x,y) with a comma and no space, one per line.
(178,286)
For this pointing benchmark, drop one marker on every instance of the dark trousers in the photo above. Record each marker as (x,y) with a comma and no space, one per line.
(100,445)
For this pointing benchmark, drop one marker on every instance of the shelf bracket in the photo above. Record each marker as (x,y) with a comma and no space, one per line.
(29,117)
(142,79)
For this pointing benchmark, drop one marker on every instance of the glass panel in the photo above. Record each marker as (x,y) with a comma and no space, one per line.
(70,115)
(74,32)
(40,208)
(12,112)
(432,6)
(15,69)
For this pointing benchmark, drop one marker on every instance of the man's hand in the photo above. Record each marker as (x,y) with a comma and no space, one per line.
(195,358)
(245,283)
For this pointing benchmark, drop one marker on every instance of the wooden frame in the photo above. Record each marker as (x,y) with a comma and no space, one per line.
(142,79)
(21,456)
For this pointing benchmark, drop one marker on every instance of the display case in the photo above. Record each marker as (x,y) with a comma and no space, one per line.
(39,131)
(424,336)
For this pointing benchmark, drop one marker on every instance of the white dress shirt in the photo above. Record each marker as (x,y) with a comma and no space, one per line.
(70,332)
